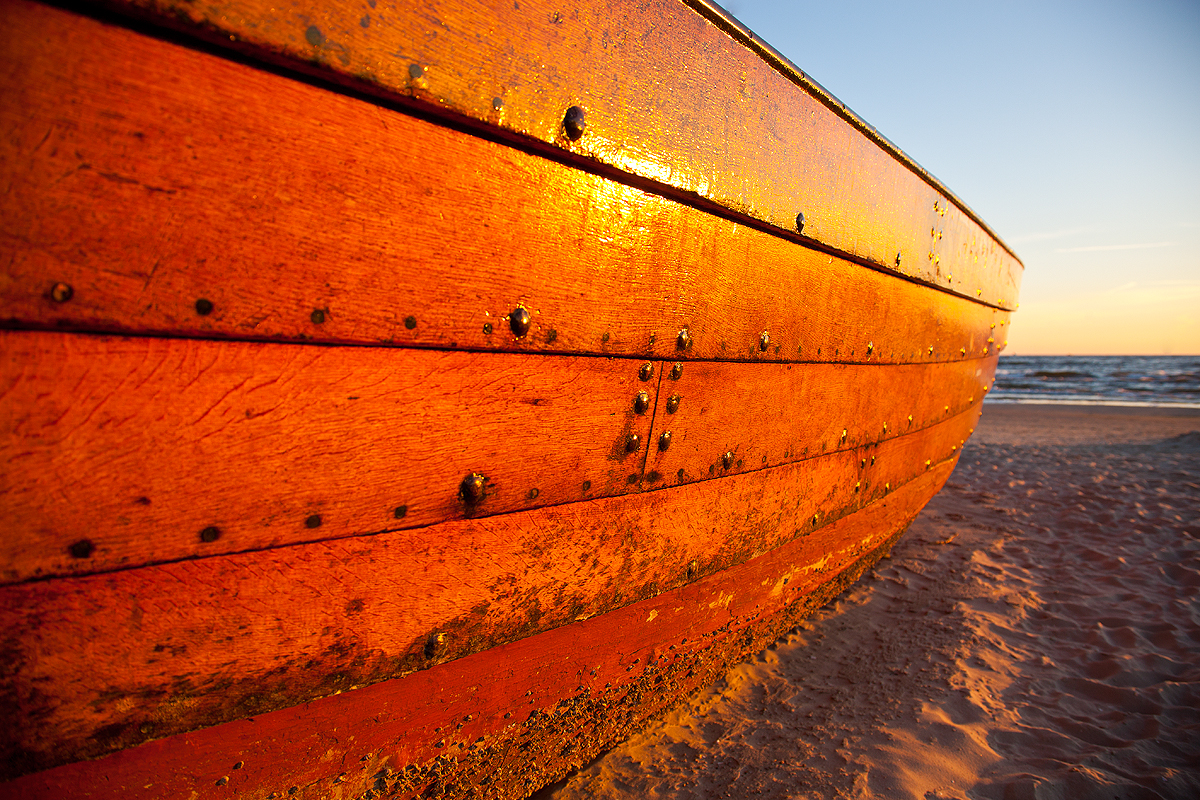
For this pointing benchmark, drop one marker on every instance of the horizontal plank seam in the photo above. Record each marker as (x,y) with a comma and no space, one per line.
(365,534)
(216,43)
(13,325)
(739,32)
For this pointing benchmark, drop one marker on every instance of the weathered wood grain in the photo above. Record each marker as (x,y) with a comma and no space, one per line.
(719,418)
(132,451)
(149,178)
(659,83)
(566,685)
(128,451)
(98,660)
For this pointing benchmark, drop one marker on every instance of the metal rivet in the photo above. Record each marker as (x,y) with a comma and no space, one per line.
(872,461)
(641,403)
(684,340)
(239,765)
(691,569)
(317,316)
(401,512)
(676,371)
(870,347)
(497,103)
(633,443)
(204,307)
(313,521)
(587,486)
(61,292)
(81,549)
(764,340)
(574,122)
(518,320)
(416,71)
(800,223)
(727,459)
(487,328)
(646,372)
(673,404)
(472,488)
(222,781)
(433,644)
(897,258)
(410,322)
(210,534)
(664,441)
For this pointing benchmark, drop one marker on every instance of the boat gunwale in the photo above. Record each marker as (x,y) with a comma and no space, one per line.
(216,42)
(784,66)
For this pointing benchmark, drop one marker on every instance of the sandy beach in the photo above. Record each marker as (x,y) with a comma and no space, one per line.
(1035,634)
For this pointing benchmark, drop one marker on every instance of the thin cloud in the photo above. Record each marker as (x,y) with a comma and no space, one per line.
(1096,248)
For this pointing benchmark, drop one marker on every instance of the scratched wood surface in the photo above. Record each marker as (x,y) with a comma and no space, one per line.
(127,451)
(659,84)
(222,642)
(147,183)
(137,450)
(718,418)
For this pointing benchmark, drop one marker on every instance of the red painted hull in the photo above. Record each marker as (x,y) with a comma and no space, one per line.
(373,431)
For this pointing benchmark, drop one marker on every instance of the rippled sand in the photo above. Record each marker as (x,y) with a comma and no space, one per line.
(1035,634)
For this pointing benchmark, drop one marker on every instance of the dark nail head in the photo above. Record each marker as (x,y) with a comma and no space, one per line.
(410,322)
(727,459)
(519,320)
(314,521)
(684,340)
(897,258)
(664,441)
(210,534)
(633,443)
(764,340)
(646,372)
(317,316)
(204,307)
(81,549)
(401,512)
(487,328)
(676,371)
(673,404)
(61,292)
(800,223)
(641,403)
(574,122)
(416,71)
(472,488)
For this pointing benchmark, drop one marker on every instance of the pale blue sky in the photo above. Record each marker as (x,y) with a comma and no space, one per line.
(1072,128)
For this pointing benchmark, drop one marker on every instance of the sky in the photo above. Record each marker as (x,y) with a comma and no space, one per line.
(1071,128)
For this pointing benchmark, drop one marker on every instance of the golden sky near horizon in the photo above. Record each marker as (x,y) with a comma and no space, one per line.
(1071,128)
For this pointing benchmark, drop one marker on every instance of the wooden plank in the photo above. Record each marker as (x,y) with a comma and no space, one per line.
(659,84)
(149,182)
(506,721)
(205,641)
(132,451)
(720,418)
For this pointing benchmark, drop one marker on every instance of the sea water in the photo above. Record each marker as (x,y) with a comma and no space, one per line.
(1170,381)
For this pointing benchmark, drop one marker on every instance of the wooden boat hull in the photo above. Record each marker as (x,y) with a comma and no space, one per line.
(297,504)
